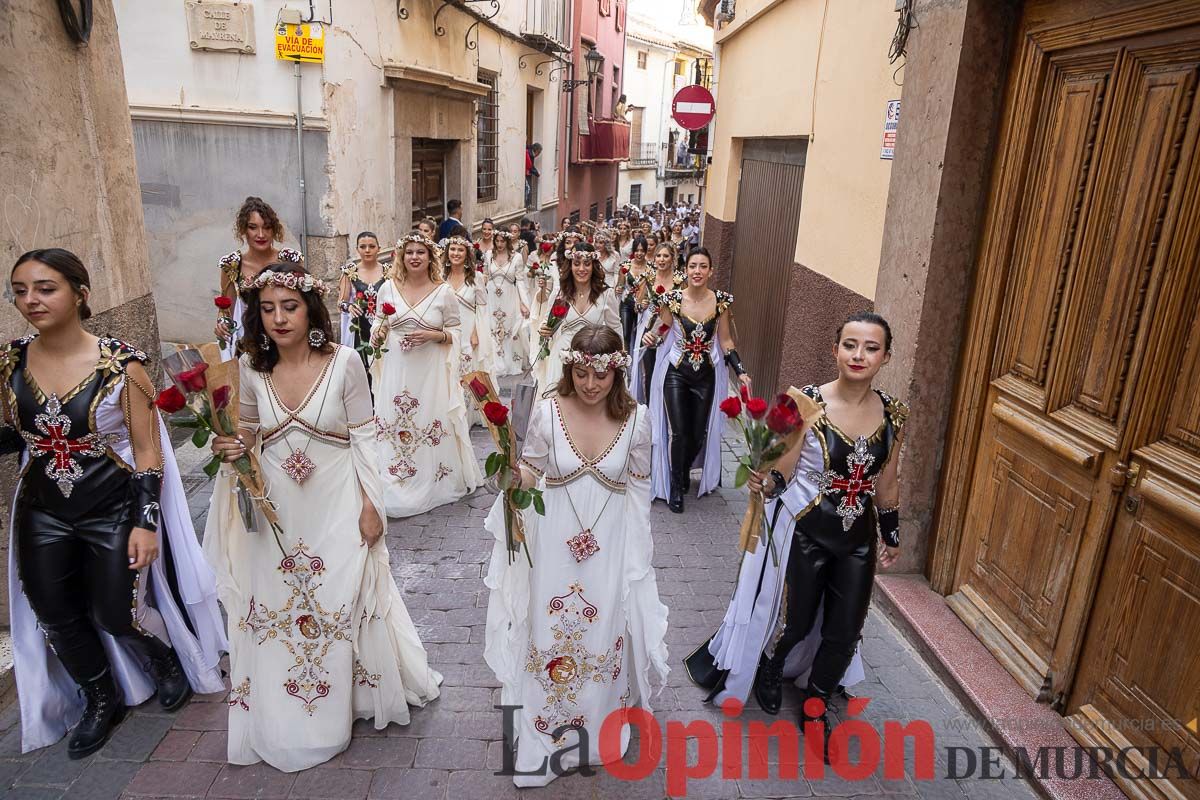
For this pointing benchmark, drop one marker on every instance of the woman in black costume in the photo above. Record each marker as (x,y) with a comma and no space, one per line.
(86,519)
(837,490)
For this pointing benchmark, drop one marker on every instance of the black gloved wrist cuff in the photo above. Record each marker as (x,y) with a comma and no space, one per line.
(146,486)
(735,362)
(889,526)
(779,487)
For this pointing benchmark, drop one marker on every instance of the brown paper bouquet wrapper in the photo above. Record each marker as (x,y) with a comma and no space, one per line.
(752,521)
(225,373)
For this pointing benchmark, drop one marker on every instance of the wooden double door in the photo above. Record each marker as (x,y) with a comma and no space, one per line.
(1071,487)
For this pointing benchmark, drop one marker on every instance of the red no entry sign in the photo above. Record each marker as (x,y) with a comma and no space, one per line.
(693,107)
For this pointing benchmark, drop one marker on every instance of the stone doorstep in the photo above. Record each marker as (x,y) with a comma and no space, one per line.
(984,687)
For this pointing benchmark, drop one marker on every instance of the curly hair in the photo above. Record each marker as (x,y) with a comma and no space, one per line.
(598,340)
(264,359)
(566,281)
(250,205)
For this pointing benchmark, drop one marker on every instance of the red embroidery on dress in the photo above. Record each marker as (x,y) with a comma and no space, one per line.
(406,436)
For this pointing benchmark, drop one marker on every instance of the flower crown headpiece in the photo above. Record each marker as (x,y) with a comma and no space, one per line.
(601,363)
(296,281)
(434,248)
(460,240)
(584,255)
(505,235)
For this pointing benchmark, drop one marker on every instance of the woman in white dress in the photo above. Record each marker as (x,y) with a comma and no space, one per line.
(580,635)
(475,342)
(589,302)
(318,630)
(610,260)
(260,228)
(425,453)
(508,305)
(624,243)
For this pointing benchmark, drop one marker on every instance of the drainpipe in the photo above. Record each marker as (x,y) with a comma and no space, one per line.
(300,155)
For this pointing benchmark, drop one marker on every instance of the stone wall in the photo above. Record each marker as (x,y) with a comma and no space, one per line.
(953,84)
(69,178)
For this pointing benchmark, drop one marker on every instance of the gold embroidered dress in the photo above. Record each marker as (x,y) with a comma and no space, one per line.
(425,455)
(319,634)
(581,634)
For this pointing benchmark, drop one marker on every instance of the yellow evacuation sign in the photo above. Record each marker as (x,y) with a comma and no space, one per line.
(304,42)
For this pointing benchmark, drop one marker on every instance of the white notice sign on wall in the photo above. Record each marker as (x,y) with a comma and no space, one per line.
(890,123)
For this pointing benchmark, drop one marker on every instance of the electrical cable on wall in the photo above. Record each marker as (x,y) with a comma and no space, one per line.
(899,47)
(79,26)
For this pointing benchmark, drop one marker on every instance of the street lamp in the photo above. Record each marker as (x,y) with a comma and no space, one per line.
(594,61)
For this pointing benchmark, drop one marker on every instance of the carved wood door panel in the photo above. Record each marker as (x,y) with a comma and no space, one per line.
(1089,202)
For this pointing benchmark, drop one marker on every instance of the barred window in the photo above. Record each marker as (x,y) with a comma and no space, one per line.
(487,125)
(608,208)
(635,195)
(641,59)
(594,212)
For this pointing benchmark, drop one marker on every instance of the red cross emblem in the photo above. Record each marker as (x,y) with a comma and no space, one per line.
(62,468)
(696,347)
(856,487)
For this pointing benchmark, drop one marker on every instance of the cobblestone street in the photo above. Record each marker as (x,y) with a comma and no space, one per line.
(452,747)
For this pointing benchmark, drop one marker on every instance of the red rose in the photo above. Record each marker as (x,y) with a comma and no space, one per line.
(756,407)
(359,296)
(559,310)
(388,309)
(496,413)
(478,388)
(784,417)
(221,397)
(659,289)
(193,379)
(731,407)
(662,329)
(170,400)
(745,393)
(222,302)
(547,247)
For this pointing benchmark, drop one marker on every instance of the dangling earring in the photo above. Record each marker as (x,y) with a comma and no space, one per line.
(264,341)
(316,338)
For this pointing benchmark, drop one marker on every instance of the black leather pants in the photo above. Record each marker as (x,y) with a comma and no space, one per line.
(76,575)
(646,370)
(688,395)
(843,576)
(628,322)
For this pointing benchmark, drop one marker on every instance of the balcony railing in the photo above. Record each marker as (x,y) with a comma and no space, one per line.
(607,142)
(545,23)
(644,154)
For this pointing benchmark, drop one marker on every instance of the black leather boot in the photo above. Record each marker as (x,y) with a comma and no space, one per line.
(173,687)
(676,501)
(768,684)
(103,713)
(821,719)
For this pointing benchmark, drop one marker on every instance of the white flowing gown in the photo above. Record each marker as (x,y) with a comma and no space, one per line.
(425,454)
(581,634)
(604,312)
(319,633)
(506,293)
(472,309)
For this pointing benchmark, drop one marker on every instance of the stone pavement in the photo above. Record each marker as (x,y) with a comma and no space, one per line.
(452,747)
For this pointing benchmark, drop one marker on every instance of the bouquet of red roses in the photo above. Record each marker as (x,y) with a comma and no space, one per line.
(768,433)
(207,408)
(558,312)
(365,303)
(503,461)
